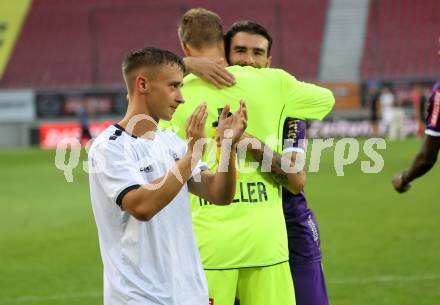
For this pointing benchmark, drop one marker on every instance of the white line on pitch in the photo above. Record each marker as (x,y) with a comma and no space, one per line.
(383,279)
(33,298)
(336,281)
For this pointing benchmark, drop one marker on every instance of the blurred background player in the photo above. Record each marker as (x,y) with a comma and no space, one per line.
(244,246)
(419,101)
(427,155)
(372,101)
(249,43)
(387,103)
(140,182)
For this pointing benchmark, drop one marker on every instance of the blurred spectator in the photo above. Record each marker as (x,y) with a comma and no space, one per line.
(372,99)
(393,114)
(386,100)
(397,124)
(418,100)
(83,116)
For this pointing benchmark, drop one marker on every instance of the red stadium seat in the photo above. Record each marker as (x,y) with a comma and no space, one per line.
(82,43)
(402,40)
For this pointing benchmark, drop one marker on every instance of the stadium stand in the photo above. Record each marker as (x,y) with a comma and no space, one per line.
(402,40)
(53,49)
(81,43)
(12,16)
(302,37)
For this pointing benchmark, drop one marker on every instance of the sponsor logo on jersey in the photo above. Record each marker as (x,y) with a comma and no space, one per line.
(313,228)
(147,169)
(116,134)
(174,155)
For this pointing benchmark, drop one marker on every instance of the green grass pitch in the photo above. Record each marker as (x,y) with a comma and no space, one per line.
(379,247)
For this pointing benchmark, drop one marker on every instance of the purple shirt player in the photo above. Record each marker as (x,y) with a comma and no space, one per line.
(426,157)
(302,231)
(433,118)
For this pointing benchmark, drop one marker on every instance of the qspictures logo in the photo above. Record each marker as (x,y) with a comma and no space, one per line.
(346,151)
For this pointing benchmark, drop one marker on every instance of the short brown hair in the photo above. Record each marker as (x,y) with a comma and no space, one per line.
(149,57)
(200,28)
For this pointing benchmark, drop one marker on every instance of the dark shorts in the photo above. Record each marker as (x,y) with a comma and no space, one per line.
(305,260)
(303,238)
(309,284)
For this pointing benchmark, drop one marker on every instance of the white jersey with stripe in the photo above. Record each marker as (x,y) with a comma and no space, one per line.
(145,262)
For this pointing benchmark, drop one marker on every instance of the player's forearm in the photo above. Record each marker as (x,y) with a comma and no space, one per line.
(293,182)
(145,202)
(424,160)
(263,152)
(420,166)
(224,181)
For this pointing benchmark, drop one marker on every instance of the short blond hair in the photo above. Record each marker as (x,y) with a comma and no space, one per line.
(200,28)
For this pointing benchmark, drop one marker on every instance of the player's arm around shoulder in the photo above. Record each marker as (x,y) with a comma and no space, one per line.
(209,70)
(296,178)
(219,187)
(305,100)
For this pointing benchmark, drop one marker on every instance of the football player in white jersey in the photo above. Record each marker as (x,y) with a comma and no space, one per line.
(139,182)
